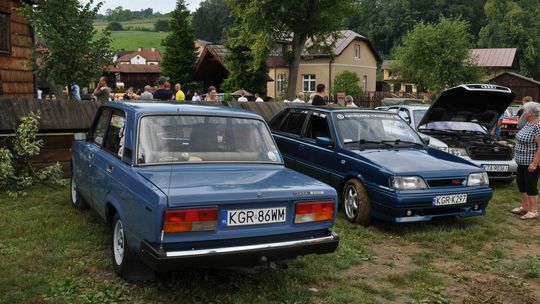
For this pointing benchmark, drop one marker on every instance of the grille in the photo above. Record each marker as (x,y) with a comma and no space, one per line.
(489,153)
(454,182)
(499,174)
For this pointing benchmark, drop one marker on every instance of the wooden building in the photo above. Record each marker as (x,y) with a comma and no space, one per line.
(16,77)
(134,76)
(521,85)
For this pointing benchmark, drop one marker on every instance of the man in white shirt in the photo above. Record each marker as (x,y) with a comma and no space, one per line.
(349,102)
(147,95)
(299,97)
(258,98)
(242,98)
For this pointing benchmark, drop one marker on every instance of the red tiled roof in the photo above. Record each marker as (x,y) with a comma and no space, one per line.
(276,62)
(494,57)
(149,55)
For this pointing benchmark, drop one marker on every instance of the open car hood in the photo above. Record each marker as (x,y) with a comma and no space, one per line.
(481,103)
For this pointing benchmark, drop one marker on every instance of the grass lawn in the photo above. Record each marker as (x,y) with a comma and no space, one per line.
(131,40)
(147,23)
(51,253)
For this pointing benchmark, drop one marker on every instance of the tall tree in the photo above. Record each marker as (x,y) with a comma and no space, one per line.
(211,20)
(69,48)
(242,74)
(180,53)
(264,22)
(515,24)
(436,56)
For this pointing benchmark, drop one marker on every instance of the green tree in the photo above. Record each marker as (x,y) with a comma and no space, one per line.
(347,82)
(436,56)
(118,14)
(515,24)
(242,74)
(162,26)
(115,26)
(68,48)
(180,54)
(264,22)
(211,20)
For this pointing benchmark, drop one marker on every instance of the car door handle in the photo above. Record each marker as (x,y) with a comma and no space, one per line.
(109,168)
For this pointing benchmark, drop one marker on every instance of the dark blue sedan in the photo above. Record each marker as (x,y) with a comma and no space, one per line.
(185,185)
(379,164)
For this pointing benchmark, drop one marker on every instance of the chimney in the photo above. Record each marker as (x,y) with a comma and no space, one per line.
(139,49)
(153,49)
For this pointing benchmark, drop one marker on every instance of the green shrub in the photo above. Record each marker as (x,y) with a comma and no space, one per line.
(16,170)
(347,82)
(115,26)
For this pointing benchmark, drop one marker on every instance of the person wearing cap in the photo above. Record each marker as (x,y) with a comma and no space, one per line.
(164,92)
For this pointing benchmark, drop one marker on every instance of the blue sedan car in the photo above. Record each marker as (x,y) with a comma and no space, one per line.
(379,164)
(185,185)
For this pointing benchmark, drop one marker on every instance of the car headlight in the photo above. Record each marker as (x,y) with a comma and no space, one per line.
(477,179)
(455,151)
(407,183)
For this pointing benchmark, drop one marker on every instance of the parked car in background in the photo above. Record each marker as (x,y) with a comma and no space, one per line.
(510,121)
(412,114)
(464,118)
(379,165)
(186,185)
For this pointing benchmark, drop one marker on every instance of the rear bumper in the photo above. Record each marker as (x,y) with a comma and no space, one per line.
(245,255)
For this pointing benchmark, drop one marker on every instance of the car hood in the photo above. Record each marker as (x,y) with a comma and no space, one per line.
(480,103)
(430,163)
(222,183)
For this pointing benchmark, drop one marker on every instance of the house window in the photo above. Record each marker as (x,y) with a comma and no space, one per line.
(364,83)
(4,33)
(356,51)
(277,50)
(281,83)
(308,82)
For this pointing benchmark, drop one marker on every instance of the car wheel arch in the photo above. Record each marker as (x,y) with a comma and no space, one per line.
(112,207)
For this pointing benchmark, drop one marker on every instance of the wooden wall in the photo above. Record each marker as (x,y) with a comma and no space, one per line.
(519,85)
(16,74)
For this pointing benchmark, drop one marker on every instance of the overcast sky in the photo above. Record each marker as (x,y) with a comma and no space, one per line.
(162,6)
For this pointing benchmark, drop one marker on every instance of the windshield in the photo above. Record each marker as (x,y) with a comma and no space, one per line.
(358,128)
(418,115)
(511,111)
(181,138)
(453,126)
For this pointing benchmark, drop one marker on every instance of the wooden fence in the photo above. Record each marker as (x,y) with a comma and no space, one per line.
(61,119)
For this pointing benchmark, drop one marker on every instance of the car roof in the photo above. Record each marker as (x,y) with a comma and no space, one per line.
(335,109)
(151,107)
(411,107)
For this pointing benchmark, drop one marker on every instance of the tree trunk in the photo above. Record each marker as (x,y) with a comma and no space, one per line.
(298,43)
(59,92)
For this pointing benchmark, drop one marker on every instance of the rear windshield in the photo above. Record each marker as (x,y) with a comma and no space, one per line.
(181,139)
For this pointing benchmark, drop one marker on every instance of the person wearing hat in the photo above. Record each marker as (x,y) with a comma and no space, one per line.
(164,92)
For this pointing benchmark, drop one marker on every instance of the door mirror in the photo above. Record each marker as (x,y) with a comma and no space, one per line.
(324,141)
(80,136)
(425,139)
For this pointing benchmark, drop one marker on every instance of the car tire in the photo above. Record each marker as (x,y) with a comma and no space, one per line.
(76,201)
(356,203)
(125,262)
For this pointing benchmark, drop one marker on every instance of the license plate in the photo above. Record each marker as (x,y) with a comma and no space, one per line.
(496,168)
(240,217)
(449,199)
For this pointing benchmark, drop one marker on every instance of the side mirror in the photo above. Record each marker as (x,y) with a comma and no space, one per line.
(324,141)
(425,139)
(80,136)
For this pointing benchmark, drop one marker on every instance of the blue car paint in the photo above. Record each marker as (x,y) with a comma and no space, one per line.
(374,167)
(141,194)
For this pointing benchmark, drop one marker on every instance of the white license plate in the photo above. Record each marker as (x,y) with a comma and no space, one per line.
(496,168)
(240,217)
(449,199)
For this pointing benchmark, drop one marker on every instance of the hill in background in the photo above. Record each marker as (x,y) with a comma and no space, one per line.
(137,33)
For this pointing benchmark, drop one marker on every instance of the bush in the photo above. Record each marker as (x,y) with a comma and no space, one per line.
(16,170)
(162,26)
(347,82)
(115,26)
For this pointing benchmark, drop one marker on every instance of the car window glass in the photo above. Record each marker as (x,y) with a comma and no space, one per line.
(114,142)
(101,127)
(318,126)
(276,122)
(293,122)
(418,115)
(404,113)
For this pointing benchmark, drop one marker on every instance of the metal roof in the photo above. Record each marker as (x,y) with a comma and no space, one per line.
(494,57)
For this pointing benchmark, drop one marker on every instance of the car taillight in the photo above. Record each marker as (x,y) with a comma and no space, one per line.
(314,211)
(203,219)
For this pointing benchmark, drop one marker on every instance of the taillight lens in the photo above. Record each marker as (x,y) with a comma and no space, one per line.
(314,211)
(202,219)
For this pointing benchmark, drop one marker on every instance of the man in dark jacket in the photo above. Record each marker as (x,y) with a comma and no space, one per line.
(318,99)
(164,92)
